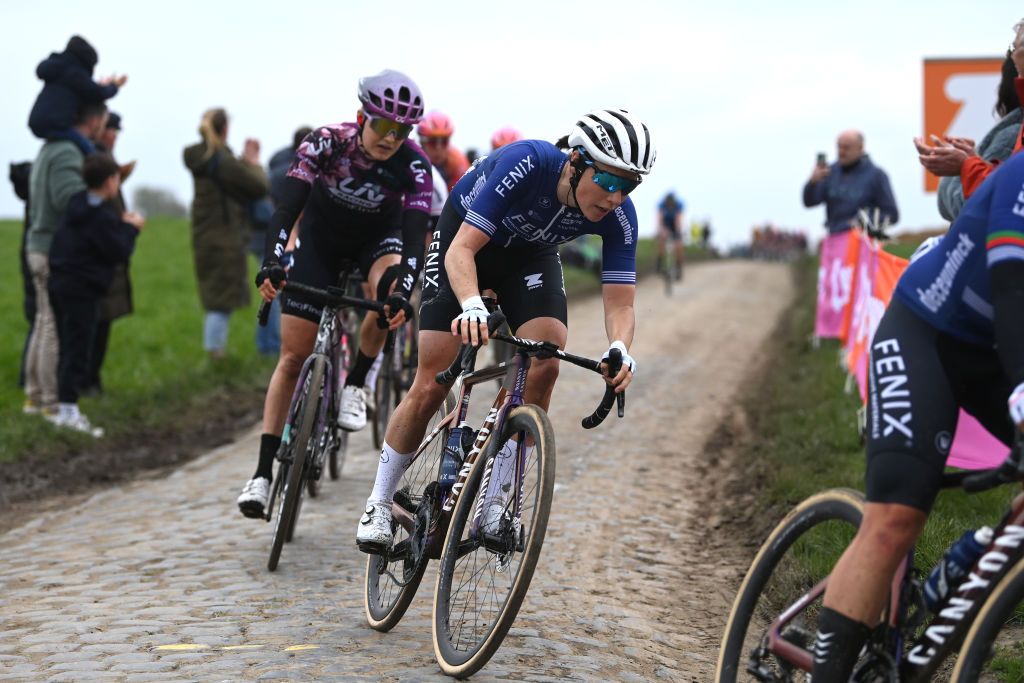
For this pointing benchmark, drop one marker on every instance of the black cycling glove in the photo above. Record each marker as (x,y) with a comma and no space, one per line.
(272,270)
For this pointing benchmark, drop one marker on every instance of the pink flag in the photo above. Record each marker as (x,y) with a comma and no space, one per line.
(973,447)
(834,280)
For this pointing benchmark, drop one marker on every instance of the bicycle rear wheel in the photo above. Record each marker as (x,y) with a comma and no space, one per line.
(993,649)
(387,596)
(302,419)
(480,588)
(796,556)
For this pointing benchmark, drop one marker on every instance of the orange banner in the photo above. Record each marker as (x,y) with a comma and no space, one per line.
(959,95)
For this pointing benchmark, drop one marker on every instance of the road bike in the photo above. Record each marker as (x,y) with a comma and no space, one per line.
(771,628)
(484,571)
(311,433)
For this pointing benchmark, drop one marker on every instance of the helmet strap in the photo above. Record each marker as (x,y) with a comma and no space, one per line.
(579,166)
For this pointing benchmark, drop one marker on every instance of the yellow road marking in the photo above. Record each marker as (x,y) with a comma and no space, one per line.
(183,647)
(297,648)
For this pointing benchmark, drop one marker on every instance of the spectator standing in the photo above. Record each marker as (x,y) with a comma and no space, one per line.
(224,186)
(68,87)
(93,239)
(850,184)
(56,176)
(268,337)
(117,302)
(19,176)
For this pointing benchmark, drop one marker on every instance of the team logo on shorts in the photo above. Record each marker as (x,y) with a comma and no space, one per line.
(544,202)
(943,441)
(534,281)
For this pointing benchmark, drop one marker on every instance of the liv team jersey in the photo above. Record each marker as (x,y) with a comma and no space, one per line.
(339,190)
(949,285)
(510,196)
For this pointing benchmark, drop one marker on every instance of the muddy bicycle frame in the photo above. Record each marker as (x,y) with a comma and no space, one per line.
(920,660)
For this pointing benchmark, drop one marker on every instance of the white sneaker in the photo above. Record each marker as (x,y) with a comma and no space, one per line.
(352,413)
(374,535)
(253,500)
(78,422)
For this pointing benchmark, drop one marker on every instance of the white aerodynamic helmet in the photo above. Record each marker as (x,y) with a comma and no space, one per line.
(617,138)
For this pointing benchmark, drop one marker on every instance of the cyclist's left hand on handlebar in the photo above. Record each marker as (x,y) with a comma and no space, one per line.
(397,310)
(1016,406)
(471,324)
(626,372)
(270,278)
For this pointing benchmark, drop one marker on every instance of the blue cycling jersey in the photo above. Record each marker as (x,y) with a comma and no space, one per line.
(510,196)
(949,285)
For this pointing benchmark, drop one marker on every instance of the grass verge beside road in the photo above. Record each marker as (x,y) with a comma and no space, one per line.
(805,436)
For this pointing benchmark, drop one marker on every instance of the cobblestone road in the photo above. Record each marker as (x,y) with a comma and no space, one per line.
(161,579)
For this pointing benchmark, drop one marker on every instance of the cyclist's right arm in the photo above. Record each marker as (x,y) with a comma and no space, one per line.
(1005,254)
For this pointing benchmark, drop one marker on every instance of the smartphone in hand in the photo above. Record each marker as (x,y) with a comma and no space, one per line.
(822,161)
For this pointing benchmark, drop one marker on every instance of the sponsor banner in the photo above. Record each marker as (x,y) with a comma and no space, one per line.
(855,253)
(834,279)
(865,316)
(973,447)
(958,99)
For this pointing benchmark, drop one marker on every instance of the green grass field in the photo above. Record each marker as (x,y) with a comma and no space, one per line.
(156,374)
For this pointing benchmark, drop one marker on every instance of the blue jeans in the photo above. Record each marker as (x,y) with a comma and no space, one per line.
(215,331)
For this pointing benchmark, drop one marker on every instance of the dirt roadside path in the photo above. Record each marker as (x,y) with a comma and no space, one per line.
(161,579)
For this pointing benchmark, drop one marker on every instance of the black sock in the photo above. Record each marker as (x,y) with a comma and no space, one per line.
(836,646)
(268,451)
(357,375)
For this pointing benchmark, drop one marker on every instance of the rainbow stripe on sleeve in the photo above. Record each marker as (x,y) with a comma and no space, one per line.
(1005,245)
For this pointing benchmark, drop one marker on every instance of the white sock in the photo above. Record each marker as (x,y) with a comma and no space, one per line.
(502,471)
(390,469)
(68,411)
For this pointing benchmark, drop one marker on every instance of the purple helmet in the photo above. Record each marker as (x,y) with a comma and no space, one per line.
(392,95)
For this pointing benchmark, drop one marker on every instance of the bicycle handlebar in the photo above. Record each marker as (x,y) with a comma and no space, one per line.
(542,349)
(605,407)
(467,354)
(332,296)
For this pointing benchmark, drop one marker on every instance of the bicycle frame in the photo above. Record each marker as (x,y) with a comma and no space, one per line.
(919,661)
(492,424)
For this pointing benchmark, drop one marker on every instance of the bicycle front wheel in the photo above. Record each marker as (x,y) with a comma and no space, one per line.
(796,556)
(481,583)
(993,649)
(302,419)
(392,580)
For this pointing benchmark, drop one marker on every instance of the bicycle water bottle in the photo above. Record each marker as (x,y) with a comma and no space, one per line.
(954,565)
(451,458)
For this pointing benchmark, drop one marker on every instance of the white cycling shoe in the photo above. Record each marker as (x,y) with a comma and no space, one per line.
(253,499)
(352,412)
(374,534)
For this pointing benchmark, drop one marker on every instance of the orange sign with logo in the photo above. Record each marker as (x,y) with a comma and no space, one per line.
(959,97)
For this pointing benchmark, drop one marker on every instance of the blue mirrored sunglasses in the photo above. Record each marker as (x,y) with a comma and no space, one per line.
(609,182)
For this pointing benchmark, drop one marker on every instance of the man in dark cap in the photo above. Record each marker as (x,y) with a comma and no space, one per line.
(68,87)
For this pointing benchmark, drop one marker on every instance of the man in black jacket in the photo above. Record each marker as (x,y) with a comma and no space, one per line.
(93,239)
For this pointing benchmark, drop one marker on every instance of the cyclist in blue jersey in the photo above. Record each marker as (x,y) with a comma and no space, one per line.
(952,337)
(670,222)
(499,230)
(360,191)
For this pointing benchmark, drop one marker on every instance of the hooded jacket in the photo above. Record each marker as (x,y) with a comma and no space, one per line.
(68,85)
(224,186)
(87,247)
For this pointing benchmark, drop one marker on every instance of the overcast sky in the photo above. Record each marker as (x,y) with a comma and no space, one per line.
(739,95)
